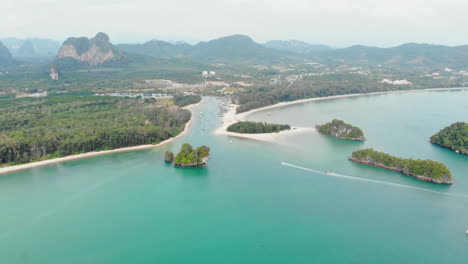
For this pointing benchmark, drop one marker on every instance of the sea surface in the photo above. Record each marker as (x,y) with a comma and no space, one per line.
(247,206)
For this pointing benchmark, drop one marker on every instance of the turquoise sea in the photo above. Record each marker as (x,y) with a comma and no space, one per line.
(246,207)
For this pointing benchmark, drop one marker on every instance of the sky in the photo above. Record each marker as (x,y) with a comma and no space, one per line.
(337,23)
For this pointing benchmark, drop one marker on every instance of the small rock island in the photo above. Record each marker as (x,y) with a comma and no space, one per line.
(341,130)
(248,127)
(188,156)
(425,170)
(454,137)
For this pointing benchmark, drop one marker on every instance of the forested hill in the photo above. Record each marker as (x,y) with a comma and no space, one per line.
(33,129)
(410,54)
(240,49)
(236,49)
(5,56)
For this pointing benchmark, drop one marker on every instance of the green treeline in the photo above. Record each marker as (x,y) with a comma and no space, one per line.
(190,157)
(454,137)
(427,168)
(184,100)
(329,85)
(40,128)
(256,127)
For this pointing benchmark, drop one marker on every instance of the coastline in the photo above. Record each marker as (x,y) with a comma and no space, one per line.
(230,117)
(34,164)
(300,101)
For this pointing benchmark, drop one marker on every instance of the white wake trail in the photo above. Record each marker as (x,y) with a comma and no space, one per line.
(372,181)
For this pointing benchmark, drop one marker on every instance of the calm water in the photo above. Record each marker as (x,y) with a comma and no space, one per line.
(246,207)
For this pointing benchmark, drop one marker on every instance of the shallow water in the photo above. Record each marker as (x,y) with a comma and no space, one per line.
(246,206)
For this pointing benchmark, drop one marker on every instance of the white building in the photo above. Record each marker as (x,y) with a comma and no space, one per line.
(212,73)
(396,82)
(54,74)
(204,73)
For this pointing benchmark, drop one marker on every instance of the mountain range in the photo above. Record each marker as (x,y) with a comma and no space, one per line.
(31,47)
(296,46)
(235,49)
(241,50)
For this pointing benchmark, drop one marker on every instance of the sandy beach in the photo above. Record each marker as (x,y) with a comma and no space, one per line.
(230,117)
(26,166)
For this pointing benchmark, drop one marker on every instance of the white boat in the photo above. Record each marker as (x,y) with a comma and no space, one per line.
(466,232)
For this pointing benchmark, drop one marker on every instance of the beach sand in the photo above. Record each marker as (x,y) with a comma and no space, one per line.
(26,166)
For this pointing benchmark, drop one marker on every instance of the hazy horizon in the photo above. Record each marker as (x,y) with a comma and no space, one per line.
(336,23)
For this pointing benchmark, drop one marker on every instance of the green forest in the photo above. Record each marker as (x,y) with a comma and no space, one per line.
(184,100)
(454,137)
(33,129)
(428,168)
(190,157)
(249,127)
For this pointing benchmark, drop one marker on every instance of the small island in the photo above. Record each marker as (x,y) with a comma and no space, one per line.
(425,170)
(248,127)
(454,137)
(169,156)
(188,156)
(341,130)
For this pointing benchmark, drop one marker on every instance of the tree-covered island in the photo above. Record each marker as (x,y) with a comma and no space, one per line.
(454,137)
(248,127)
(425,170)
(188,156)
(341,130)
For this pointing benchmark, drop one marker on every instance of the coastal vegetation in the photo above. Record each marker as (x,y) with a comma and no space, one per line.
(249,127)
(33,129)
(426,170)
(184,100)
(190,157)
(454,137)
(340,129)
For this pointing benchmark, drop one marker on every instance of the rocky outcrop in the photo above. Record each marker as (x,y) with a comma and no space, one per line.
(168,156)
(190,157)
(93,51)
(425,170)
(341,130)
(405,172)
(201,163)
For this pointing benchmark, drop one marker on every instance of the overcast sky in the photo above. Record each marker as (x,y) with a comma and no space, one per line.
(333,22)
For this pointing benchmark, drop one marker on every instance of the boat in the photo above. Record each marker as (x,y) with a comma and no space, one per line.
(327,172)
(466,232)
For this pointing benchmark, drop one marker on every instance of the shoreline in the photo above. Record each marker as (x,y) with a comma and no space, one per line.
(281,104)
(26,166)
(230,117)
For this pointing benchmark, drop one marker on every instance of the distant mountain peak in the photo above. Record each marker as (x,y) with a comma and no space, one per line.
(5,56)
(295,46)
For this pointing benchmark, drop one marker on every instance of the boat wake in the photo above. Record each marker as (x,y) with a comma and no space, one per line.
(348,177)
